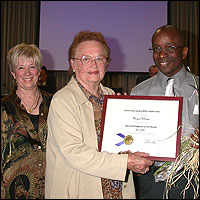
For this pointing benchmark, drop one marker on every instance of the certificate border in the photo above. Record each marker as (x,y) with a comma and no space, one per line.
(178,139)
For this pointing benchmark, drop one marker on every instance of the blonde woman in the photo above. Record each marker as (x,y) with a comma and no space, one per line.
(23,127)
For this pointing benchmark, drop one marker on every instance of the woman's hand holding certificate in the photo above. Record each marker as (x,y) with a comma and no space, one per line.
(137,162)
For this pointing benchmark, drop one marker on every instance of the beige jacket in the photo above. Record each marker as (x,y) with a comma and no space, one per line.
(74,164)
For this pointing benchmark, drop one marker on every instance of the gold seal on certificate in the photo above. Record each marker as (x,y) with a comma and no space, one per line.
(128,139)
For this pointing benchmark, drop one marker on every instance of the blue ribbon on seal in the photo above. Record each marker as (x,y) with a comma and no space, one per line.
(122,136)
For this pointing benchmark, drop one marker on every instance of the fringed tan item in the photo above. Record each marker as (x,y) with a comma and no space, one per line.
(190,157)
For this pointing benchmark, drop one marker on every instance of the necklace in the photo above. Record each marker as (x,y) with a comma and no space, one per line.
(30,110)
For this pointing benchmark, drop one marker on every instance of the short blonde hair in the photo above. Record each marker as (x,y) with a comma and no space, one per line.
(25,52)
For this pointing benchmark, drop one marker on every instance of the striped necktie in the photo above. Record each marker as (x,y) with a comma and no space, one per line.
(170,87)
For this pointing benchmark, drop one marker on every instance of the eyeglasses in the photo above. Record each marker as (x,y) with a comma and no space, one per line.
(87,60)
(167,49)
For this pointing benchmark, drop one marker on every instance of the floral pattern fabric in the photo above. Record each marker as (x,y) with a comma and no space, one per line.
(23,149)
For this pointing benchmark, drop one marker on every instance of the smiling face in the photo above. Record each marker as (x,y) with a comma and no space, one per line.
(168,63)
(26,74)
(91,74)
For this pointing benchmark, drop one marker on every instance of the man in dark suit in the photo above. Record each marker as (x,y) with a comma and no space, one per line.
(153,70)
(46,82)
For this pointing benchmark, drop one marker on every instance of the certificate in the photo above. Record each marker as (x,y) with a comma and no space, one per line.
(150,124)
